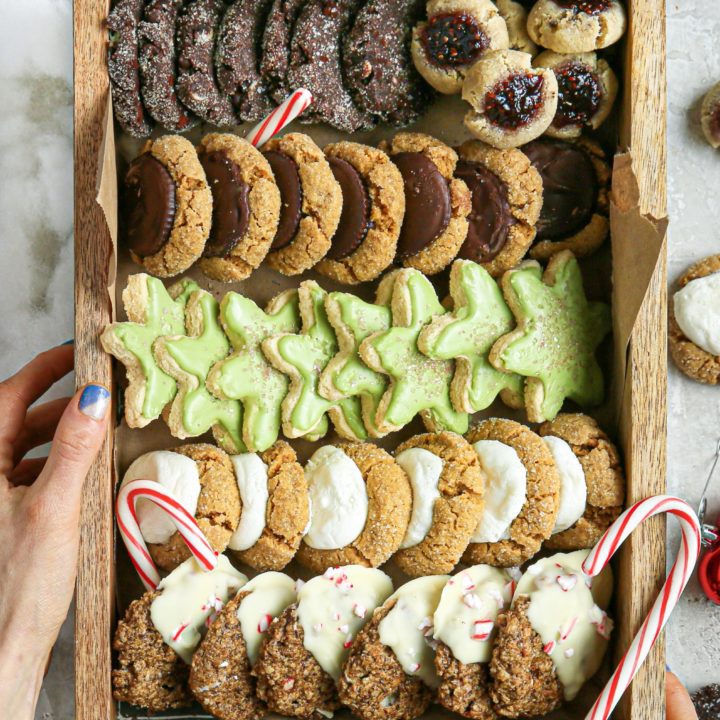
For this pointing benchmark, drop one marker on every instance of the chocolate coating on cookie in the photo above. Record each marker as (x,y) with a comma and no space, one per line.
(149,205)
(287,178)
(231,203)
(427,202)
(491,216)
(353,224)
(570,187)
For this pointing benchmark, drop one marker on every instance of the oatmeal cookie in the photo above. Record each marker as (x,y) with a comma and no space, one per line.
(446,512)
(456,34)
(167,206)
(365,242)
(465,689)
(379,486)
(710,116)
(507,198)
(436,204)
(246,207)
(511,443)
(576,200)
(311,203)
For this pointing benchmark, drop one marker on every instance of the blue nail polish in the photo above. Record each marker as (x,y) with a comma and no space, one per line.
(71,341)
(94,402)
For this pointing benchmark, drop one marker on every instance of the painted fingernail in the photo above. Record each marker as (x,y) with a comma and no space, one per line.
(71,341)
(94,402)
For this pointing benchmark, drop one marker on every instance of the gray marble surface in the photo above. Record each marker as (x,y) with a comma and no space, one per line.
(36,266)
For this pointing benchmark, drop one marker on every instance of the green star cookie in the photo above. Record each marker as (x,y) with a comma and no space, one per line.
(188,359)
(247,375)
(479,317)
(152,312)
(556,338)
(346,375)
(302,357)
(418,384)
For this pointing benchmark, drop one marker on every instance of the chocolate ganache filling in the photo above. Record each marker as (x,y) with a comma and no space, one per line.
(355,217)
(287,178)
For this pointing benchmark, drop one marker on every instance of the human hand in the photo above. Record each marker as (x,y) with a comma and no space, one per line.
(678,704)
(40,517)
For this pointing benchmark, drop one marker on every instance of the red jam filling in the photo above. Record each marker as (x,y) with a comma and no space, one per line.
(579,95)
(453,39)
(589,7)
(514,102)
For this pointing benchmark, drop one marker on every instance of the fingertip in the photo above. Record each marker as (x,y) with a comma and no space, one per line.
(94,401)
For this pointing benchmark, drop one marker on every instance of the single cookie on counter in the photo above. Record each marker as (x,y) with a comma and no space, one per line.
(378,67)
(522,493)
(197,30)
(390,671)
(507,197)
(592,482)
(365,242)
(511,102)
(515,16)
(436,203)
(464,629)
(448,487)
(167,206)
(275,511)
(156,639)
(246,207)
(237,58)
(587,87)
(576,196)
(201,477)
(553,638)
(693,333)
(710,115)
(311,203)
(360,500)
(576,26)
(456,34)
(221,672)
(122,25)
(157,60)
(301,658)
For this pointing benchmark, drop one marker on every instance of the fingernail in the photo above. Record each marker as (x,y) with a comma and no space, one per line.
(94,402)
(71,341)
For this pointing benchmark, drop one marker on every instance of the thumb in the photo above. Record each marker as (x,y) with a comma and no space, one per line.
(678,702)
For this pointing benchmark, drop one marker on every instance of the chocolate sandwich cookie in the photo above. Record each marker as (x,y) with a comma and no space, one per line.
(275,58)
(575,178)
(167,206)
(506,200)
(378,67)
(315,63)
(246,207)
(436,204)
(158,67)
(373,208)
(237,59)
(311,203)
(122,23)
(196,86)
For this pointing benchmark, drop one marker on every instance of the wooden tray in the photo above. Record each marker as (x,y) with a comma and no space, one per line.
(642,431)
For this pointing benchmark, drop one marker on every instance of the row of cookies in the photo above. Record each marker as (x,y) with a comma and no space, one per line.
(478,642)
(350,211)
(176,63)
(495,497)
(313,357)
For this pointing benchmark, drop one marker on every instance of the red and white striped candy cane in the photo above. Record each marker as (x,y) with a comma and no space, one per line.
(129,527)
(678,578)
(280,117)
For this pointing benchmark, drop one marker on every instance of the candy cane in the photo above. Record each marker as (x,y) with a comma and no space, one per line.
(678,578)
(280,117)
(129,527)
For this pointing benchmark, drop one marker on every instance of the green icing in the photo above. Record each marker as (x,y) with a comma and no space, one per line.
(559,331)
(480,316)
(194,356)
(246,375)
(419,384)
(164,315)
(305,355)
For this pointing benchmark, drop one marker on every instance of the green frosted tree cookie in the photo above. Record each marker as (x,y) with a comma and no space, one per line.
(246,375)
(152,312)
(302,357)
(346,375)
(479,317)
(557,334)
(418,384)
(188,360)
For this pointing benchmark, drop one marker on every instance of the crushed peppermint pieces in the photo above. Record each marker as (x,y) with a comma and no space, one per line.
(359,610)
(482,629)
(567,628)
(568,653)
(288,684)
(179,631)
(264,623)
(548,647)
(567,582)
